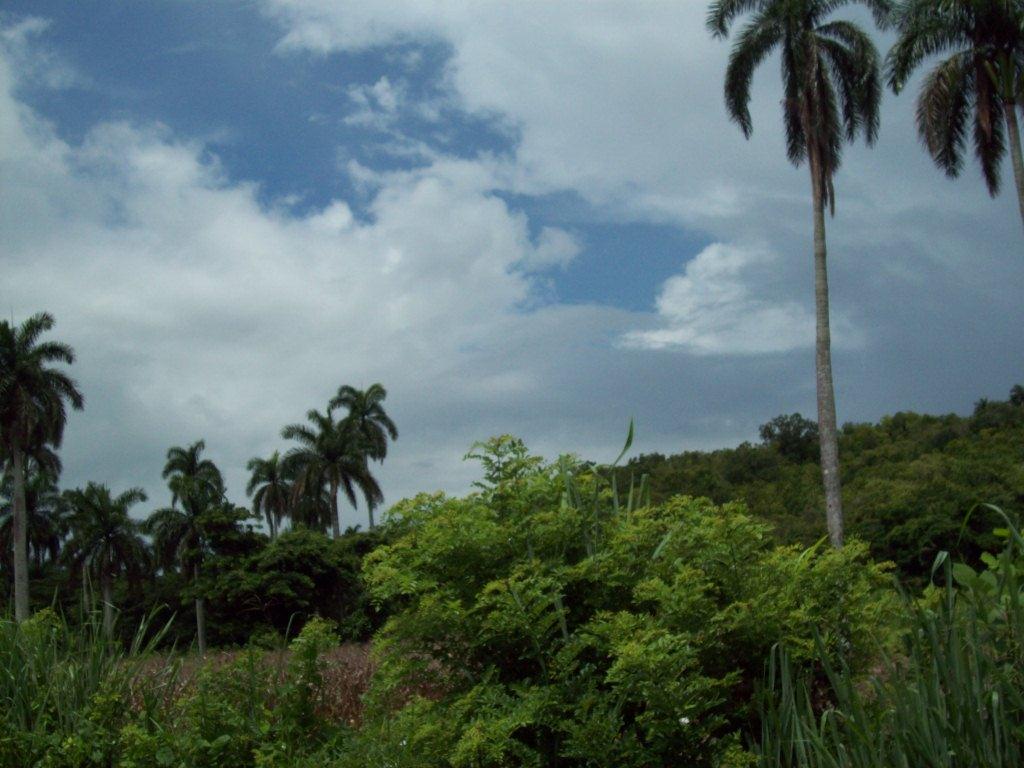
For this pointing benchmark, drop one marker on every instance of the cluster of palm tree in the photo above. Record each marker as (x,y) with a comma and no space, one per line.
(832,81)
(91,531)
(331,455)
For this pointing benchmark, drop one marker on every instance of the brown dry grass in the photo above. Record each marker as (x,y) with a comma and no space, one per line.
(347,671)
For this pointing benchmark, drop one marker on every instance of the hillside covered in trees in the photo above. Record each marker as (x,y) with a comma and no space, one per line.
(909,482)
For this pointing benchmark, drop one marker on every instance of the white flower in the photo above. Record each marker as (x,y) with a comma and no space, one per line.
(684,721)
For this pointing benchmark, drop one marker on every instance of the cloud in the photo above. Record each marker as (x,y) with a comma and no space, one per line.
(37,65)
(197,310)
(376,106)
(555,248)
(718,305)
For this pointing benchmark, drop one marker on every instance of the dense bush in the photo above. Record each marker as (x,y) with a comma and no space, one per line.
(953,696)
(552,625)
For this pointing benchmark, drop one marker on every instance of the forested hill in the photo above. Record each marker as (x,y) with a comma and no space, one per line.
(909,481)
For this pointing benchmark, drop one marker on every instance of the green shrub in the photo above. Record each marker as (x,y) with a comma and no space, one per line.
(953,696)
(544,622)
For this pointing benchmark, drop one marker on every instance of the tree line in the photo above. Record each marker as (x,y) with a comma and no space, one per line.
(90,531)
(832,77)
(915,484)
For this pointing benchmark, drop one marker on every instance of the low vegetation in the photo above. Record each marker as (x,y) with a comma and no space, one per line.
(554,617)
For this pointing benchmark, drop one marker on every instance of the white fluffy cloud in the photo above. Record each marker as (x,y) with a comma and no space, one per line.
(197,311)
(717,306)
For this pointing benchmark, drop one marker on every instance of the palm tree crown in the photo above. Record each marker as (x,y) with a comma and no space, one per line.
(271,490)
(367,416)
(830,74)
(105,540)
(983,74)
(331,453)
(32,394)
(196,485)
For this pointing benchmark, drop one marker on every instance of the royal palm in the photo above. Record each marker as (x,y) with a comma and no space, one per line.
(271,490)
(980,81)
(832,90)
(369,420)
(196,487)
(33,410)
(105,540)
(331,453)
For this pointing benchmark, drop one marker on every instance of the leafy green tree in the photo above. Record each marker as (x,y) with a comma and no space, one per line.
(270,489)
(331,453)
(1017,395)
(196,487)
(793,436)
(105,540)
(981,78)
(830,74)
(33,411)
(366,415)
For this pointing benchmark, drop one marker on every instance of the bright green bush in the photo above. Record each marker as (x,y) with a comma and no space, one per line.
(953,696)
(541,622)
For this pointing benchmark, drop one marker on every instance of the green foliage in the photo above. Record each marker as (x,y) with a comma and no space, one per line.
(282,583)
(68,699)
(64,692)
(908,481)
(952,696)
(546,622)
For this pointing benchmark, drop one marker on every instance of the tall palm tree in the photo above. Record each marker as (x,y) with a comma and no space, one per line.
(271,490)
(196,486)
(33,411)
(832,85)
(367,417)
(105,540)
(983,74)
(330,453)
(366,414)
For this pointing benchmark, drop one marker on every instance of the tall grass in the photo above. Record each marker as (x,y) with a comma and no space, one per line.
(953,697)
(53,676)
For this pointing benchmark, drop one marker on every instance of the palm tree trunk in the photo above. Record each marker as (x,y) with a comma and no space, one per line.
(335,519)
(370,511)
(1010,108)
(107,590)
(21,603)
(200,613)
(827,438)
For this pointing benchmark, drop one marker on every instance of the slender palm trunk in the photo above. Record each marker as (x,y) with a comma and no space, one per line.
(1013,131)
(200,613)
(21,604)
(370,511)
(107,590)
(827,438)
(335,519)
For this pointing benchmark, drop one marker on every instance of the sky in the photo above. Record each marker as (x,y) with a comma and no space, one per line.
(520,217)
